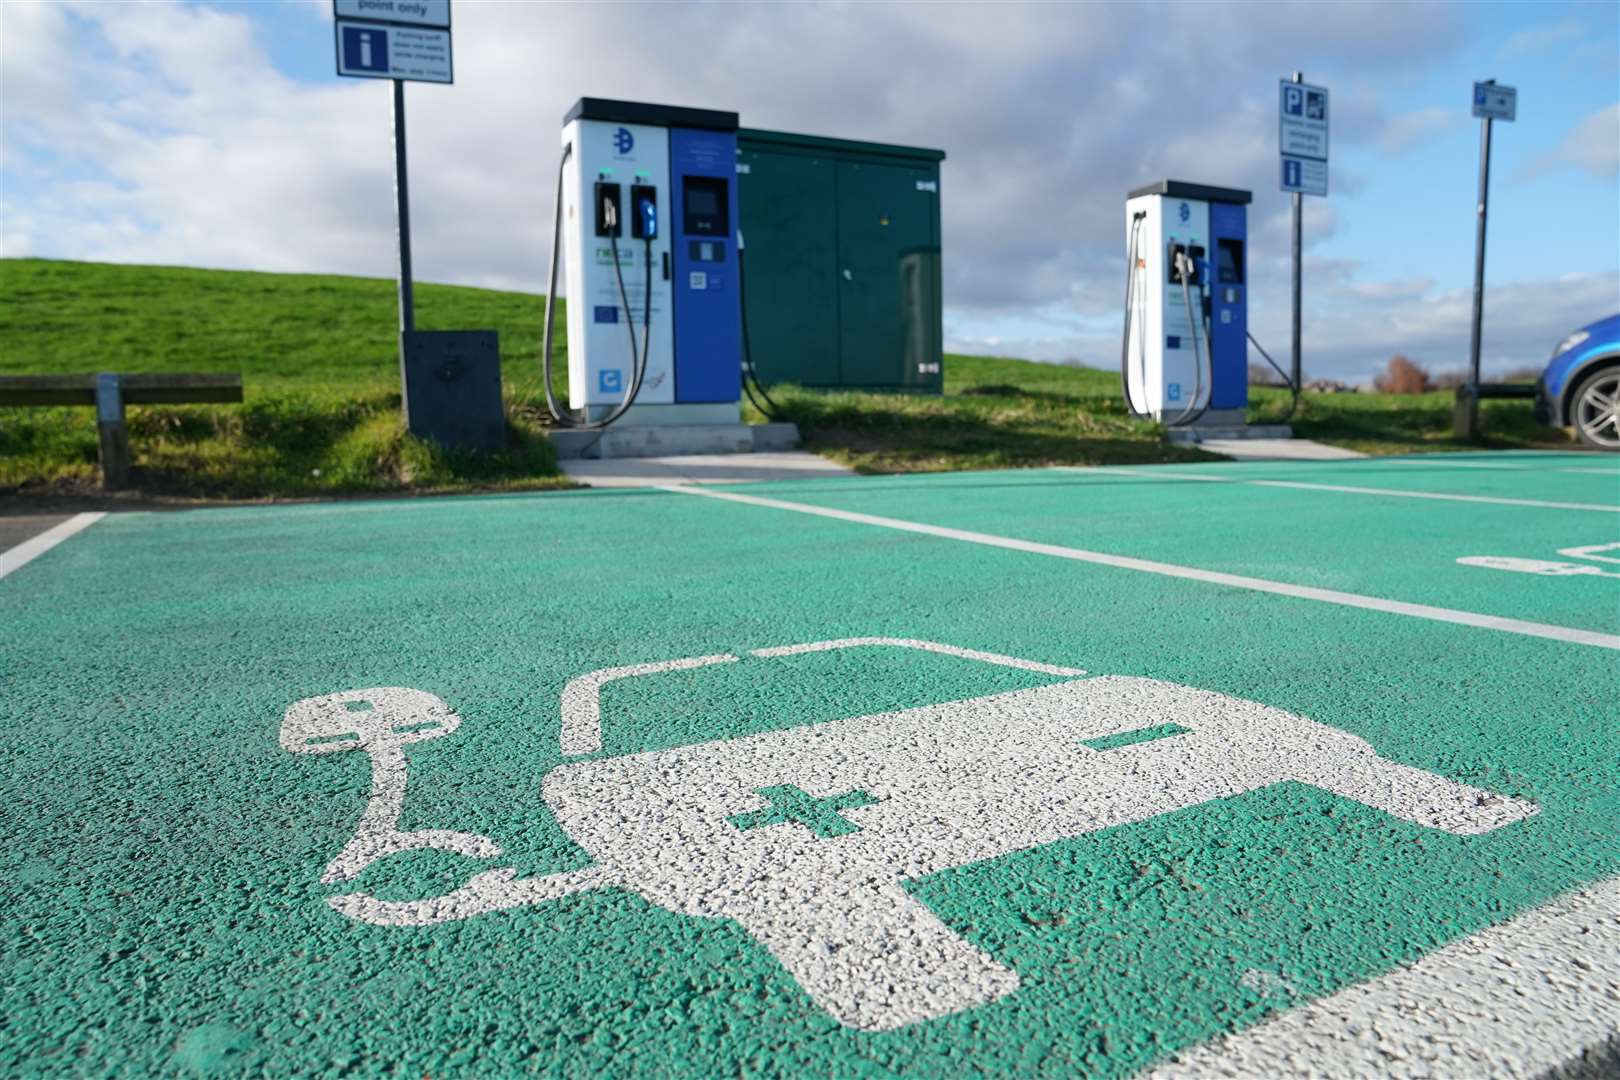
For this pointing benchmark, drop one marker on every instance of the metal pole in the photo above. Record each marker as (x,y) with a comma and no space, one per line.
(1299,214)
(1480,208)
(402,211)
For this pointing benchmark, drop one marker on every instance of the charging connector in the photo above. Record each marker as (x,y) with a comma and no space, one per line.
(643,211)
(607,209)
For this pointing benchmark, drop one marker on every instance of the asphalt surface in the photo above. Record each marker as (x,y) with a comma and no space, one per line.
(15,528)
(314,789)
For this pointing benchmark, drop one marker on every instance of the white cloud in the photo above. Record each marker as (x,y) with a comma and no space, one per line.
(177,141)
(231,164)
(1538,38)
(1404,131)
(1351,327)
(1592,146)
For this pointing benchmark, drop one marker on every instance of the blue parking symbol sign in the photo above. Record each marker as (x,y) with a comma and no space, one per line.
(610,380)
(365,48)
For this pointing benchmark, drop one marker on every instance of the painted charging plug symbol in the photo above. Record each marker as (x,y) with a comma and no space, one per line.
(806,836)
(381,723)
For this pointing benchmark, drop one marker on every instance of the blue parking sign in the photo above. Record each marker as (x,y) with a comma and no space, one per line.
(365,48)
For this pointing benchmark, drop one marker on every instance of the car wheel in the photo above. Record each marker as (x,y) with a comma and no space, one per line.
(1594,411)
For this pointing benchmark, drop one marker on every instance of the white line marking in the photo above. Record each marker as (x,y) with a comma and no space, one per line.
(1445,462)
(1215,577)
(1345,489)
(926,646)
(1453,464)
(582,698)
(1515,1000)
(1493,500)
(1591,552)
(1151,474)
(1542,567)
(29,550)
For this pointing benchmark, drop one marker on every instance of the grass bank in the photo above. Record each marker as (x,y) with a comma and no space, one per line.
(321,416)
(320,371)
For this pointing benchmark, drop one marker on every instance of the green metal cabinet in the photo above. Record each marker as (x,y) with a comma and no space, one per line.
(843,261)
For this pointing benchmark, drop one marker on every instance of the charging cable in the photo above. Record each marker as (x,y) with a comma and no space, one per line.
(750,379)
(638,349)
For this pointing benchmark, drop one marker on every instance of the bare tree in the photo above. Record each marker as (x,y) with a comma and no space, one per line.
(1402,376)
(1262,375)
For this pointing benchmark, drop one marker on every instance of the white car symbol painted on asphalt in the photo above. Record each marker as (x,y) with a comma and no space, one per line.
(805,836)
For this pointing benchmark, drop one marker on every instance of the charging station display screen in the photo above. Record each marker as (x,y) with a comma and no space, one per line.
(1229,262)
(704,206)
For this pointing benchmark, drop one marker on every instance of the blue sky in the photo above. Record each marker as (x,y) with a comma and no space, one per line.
(218,135)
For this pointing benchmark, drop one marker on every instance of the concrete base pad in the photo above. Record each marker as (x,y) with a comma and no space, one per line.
(1277,450)
(1202,433)
(701,469)
(665,440)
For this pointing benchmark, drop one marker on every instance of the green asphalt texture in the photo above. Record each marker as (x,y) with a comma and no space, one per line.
(163,853)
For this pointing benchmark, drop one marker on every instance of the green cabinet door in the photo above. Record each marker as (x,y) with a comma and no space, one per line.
(888,275)
(788,204)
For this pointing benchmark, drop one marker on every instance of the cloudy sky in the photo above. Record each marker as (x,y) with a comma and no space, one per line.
(217,135)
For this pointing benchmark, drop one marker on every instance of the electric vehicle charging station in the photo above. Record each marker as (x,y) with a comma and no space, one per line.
(647,212)
(1185,350)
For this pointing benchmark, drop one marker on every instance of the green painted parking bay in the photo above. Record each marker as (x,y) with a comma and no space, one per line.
(1228,518)
(445,785)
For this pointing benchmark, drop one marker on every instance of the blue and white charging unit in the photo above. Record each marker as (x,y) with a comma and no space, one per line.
(1184,358)
(648,212)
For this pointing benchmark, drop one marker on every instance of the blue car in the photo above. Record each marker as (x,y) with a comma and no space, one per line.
(1580,387)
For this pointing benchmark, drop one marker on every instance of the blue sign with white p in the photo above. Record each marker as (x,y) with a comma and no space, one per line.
(365,48)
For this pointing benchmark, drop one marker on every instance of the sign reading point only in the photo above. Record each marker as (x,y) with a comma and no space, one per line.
(434,13)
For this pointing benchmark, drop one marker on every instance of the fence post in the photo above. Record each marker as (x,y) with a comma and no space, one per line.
(1465,412)
(114,433)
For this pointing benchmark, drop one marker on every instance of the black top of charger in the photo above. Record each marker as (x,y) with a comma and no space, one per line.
(1180,189)
(639,112)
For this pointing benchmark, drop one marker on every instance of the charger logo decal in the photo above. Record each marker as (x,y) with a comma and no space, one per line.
(623,141)
(805,836)
(610,380)
(1184,213)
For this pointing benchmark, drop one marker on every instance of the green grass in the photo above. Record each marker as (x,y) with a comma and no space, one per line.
(995,413)
(320,372)
(321,417)
(1404,423)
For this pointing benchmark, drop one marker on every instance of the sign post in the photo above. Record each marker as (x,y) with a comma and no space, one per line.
(1302,145)
(1491,102)
(400,40)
